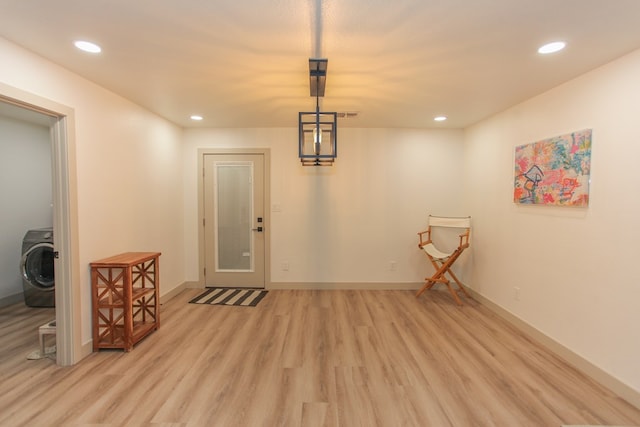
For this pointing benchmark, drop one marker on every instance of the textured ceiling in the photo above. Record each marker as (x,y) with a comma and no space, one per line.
(398,63)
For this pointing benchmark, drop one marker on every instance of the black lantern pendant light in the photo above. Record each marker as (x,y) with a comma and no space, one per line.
(317,139)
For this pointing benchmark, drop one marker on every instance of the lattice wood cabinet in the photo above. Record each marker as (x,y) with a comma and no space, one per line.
(125,290)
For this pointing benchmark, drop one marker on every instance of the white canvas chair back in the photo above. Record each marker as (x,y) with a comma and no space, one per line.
(447,221)
(441,252)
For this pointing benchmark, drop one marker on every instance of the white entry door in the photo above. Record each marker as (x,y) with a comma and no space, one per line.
(234,222)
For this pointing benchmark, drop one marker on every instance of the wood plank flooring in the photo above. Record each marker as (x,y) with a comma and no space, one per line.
(307,358)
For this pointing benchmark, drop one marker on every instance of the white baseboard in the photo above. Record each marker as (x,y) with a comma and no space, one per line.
(327,285)
(173,292)
(194,285)
(384,286)
(598,374)
(11,299)
(86,349)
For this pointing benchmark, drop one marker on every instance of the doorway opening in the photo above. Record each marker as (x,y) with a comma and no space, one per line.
(60,120)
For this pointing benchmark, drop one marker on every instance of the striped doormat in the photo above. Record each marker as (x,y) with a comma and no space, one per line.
(230,296)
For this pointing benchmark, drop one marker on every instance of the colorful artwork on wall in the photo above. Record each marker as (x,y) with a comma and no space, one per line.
(554,171)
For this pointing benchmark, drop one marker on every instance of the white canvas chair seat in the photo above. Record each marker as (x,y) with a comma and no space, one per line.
(442,261)
(431,250)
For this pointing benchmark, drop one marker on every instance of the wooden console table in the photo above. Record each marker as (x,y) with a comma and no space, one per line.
(125,295)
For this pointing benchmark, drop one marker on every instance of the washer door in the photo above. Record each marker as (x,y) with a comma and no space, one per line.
(37,266)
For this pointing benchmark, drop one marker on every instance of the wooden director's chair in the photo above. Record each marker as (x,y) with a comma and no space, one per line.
(442,261)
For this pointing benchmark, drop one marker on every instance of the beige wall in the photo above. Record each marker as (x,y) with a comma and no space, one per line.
(575,267)
(348,222)
(129,180)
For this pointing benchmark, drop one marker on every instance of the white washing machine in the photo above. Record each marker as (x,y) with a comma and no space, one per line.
(36,265)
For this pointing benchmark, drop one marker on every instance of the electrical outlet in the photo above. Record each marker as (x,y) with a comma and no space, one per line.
(516,293)
(393,266)
(285,266)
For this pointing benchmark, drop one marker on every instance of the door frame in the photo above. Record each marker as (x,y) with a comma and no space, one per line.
(266,152)
(65,218)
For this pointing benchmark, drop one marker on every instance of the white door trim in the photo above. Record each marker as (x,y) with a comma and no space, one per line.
(65,219)
(266,152)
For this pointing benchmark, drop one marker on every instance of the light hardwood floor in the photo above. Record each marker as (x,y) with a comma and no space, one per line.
(307,358)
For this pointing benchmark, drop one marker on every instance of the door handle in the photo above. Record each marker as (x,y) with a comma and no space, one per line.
(258,229)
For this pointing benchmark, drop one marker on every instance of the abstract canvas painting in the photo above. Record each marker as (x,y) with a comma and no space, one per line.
(554,171)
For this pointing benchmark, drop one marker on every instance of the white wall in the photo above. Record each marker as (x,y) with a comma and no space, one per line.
(129,177)
(345,223)
(575,267)
(25,191)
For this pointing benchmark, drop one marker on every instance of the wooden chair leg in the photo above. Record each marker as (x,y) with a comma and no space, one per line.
(428,285)
(454,294)
(430,282)
(442,268)
(438,276)
(460,285)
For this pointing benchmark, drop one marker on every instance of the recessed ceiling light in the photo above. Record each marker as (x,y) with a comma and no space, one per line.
(551,47)
(440,118)
(196,118)
(87,46)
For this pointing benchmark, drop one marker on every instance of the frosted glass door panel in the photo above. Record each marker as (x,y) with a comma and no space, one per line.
(234,223)
(234,217)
